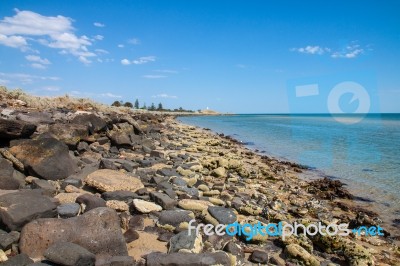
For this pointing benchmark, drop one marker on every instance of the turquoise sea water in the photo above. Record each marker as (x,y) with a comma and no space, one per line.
(361,151)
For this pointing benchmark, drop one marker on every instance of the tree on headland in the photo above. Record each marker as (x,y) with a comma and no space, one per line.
(160,107)
(144,106)
(128,104)
(152,107)
(116,103)
(136,104)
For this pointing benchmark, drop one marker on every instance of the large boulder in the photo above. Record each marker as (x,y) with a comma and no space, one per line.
(12,129)
(70,134)
(121,134)
(95,123)
(98,231)
(7,181)
(106,180)
(46,158)
(69,254)
(19,208)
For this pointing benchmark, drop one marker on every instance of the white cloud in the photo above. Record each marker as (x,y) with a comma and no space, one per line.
(84,60)
(311,50)
(125,62)
(351,50)
(38,66)
(51,88)
(134,41)
(121,46)
(4,81)
(25,78)
(98,24)
(164,95)
(38,59)
(98,37)
(154,76)
(139,61)
(53,32)
(101,51)
(13,41)
(110,95)
(166,71)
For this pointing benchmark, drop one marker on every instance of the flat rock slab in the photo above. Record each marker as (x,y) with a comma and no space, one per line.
(180,258)
(19,208)
(106,180)
(46,158)
(12,129)
(145,206)
(98,231)
(222,214)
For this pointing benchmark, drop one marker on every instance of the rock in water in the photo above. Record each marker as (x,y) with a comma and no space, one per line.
(47,158)
(12,129)
(98,231)
(19,208)
(111,180)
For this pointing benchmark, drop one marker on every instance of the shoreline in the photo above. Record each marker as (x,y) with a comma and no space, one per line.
(312,173)
(147,176)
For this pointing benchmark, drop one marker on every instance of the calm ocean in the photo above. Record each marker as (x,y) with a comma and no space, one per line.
(364,155)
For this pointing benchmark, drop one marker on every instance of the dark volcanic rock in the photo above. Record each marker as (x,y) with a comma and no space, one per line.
(7,239)
(48,189)
(12,129)
(163,200)
(259,256)
(68,210)
(121,195)
(182,240)
(178,259)
(18,260)
(97,230)
(69,254)
(46,158)
(115,261)
(90,201)
(70,134)
(174,217)
(222,214)
(131,235)
(19,208)
(7,181)
(36,118)
(95,123)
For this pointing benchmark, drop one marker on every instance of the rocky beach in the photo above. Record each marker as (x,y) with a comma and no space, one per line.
(86,184)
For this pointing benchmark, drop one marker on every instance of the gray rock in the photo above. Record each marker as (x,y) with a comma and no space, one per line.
(19,208)
(48,189)
(98,231)
(121,195)
(70,134)
(69,254)
(183,259)
(91,202)
(182,240)
(12,129)
(68,210)
(136,222)
(174,217)
(222,214)
(71,181)
(95,123)
(163,200)
(7,181)
(46,158)
(18,260)
(107,164)
(36,118)
(116,261)
(259,256)
(82,147)
(131,235)
(7,239)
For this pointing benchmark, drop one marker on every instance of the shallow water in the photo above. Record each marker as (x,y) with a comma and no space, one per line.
(365,154)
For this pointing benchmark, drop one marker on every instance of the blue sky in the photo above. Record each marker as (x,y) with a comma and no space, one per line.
(231,56)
